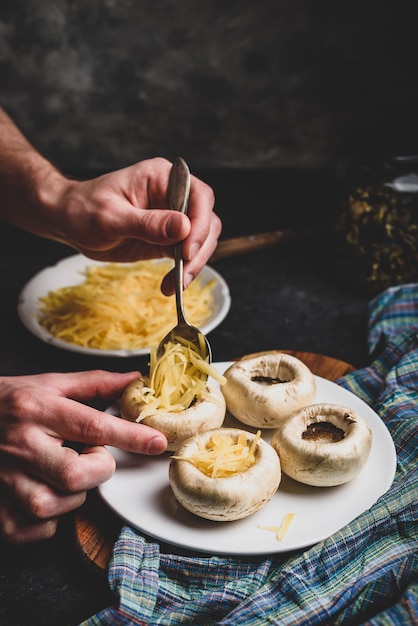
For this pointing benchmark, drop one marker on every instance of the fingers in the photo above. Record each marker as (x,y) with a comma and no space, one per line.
(22,393)
(205,224)
(31,506)
(42,478)
(145,187)
(74,422)
(37,499)
(67,419)
(57,466)
(30,509)
(50,403)
(18,528)
(201,242)
(199,254)
(124,216)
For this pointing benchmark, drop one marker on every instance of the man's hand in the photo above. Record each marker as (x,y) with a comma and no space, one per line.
(40,478)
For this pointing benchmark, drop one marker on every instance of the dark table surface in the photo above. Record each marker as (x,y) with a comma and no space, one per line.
(286,297)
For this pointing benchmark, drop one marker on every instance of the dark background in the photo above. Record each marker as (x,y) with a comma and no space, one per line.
(99,84)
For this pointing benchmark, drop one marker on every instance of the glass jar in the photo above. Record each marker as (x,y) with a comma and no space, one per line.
(377,223)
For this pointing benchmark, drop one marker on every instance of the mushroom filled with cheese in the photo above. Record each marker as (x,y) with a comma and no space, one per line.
(180,397)
(323,445)
(224,474)
(264,389)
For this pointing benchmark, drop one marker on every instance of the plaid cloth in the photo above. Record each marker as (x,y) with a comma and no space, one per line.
(366,573)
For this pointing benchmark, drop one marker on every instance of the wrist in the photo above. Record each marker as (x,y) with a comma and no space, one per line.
(48,191)
(30,186)
(33,194)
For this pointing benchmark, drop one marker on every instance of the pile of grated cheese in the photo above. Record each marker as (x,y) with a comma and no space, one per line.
(119,306)
(176,379)
(224,455)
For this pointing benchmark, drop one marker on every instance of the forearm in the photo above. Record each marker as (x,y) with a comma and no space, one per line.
(30,186)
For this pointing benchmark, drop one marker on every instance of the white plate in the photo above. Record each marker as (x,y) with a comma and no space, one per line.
(139,493)
(68,272)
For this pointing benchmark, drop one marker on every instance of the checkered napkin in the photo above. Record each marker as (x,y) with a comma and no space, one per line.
(366,573)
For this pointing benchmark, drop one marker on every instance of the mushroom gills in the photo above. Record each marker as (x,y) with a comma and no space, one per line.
(323,431)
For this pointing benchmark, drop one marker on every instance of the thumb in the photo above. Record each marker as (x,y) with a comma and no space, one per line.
(157,226)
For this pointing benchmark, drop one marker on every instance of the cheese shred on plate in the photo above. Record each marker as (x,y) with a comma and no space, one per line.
(282,530)
(223,455)
(119,306)
(176,379)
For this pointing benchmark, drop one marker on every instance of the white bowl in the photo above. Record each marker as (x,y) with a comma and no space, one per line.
(68,272)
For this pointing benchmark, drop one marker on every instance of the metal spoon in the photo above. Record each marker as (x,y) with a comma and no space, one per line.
(178,197)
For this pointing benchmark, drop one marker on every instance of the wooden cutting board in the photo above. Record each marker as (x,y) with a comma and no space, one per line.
(97,527)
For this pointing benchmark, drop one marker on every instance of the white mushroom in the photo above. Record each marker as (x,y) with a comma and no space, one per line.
(204,414)
(264,389)
(229,497)
(323,445)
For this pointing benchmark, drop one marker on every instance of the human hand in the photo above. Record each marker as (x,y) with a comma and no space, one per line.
(124,216)
(40,478)
(121,216)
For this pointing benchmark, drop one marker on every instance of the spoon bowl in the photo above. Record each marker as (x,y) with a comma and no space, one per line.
(183,333)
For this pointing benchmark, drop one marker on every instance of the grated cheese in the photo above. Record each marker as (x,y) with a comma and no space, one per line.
(223,455)
(282,530)
(176,379)
(119,306)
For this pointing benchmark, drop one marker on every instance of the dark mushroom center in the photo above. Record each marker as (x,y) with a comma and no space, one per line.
(267,380)
(323,431)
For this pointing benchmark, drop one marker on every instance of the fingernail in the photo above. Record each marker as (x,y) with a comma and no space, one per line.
(157,445)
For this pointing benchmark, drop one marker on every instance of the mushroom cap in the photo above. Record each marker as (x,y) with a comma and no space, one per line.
(264,389)
(202,415)
(227,498)
(319,456)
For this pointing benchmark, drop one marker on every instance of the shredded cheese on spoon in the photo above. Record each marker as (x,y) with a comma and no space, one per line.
(223,455)
(176,379)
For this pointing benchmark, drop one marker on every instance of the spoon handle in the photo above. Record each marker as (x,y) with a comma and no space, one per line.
(178,198)
(179,186)
(178,274)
